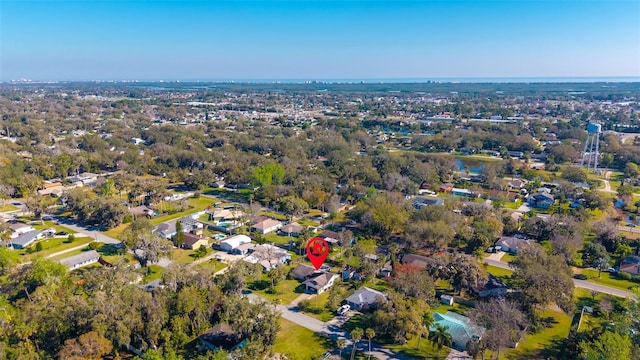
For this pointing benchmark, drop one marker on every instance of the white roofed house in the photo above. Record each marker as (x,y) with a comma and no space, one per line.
(365,298)
(266,226)
(232,243)
(269,256)
(80,260)
(24,240)
(18,228)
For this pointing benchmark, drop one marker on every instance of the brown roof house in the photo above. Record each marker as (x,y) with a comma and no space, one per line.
(320,283)
(194,242)
(631,265)
(303,271)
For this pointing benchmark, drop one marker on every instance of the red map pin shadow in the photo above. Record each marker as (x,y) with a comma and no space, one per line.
(317,251)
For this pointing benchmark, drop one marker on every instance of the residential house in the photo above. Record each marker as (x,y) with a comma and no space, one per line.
(25,240)
(494,287)
(165,230)
(230,244)
(220,337)
(291,229)
(266,226)
(494,194)
(631,265)
(461,329)
(83,259)
(446,187)
(303,271)
(365,298)
(415,260)
(190,224)
(541,200)
(511,244)
(320,283)
(268,256)
(516,184)
(464,193)
(152,285)
(243,249)
(386,270)
(419,203)
(141,210)
(332,237)
(194,242)
(18,228)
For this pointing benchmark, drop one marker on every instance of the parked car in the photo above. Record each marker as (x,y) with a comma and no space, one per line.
(62,233)
(580,276)
(612,270)
(343,309)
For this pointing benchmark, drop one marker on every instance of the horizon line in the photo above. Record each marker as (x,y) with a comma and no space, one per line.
(389,80)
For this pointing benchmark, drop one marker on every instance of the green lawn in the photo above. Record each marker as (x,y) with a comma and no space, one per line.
(426,351)
(116,231)
(213,265)
(300,343)
(507,257)
(309,223)
(182,256)
(195,205)
(276,239)
(538,345)
(608,280)
(51,224)
(285,290)
(153,272)
(68,254)
(7,208)
(318,307)
(313,213)
(54,245)
(498,272)
(274,215)
(513,205)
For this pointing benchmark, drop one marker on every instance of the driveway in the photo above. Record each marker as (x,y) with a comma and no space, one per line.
(329,330)
(97,235)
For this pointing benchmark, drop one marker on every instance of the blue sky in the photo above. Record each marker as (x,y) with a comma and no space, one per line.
(153,40)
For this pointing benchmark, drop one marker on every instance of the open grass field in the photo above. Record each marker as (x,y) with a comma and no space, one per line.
(276,239)
(153,272)
(195,205)
(549,338)
(498,272)
(213,265)
(318,308)
(54,245)
(300,343)
(8,208)
(426,350)
(285,290)
(274,215)
(116,231)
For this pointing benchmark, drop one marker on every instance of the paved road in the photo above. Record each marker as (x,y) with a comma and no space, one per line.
(331,331)
(578,283)
(97,235)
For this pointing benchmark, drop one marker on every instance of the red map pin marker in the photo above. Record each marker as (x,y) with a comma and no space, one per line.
(317,251)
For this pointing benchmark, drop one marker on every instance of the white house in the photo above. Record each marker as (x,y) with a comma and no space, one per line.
(266,226)
(18,229)
(268,256)
(80,260)
(230,244)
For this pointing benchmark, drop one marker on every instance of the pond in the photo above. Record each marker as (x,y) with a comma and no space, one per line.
(472,166)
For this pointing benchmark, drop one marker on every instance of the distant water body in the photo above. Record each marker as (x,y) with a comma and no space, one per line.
(610,79)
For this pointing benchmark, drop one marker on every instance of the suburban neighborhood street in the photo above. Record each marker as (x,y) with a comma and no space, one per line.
(330,330)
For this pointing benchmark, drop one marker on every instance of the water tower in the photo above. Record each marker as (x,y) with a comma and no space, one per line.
(593,140)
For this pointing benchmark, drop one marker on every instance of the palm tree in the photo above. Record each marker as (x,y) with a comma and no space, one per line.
(427,323)
(341,344)
(356,335)
(370,335)
(440,337)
